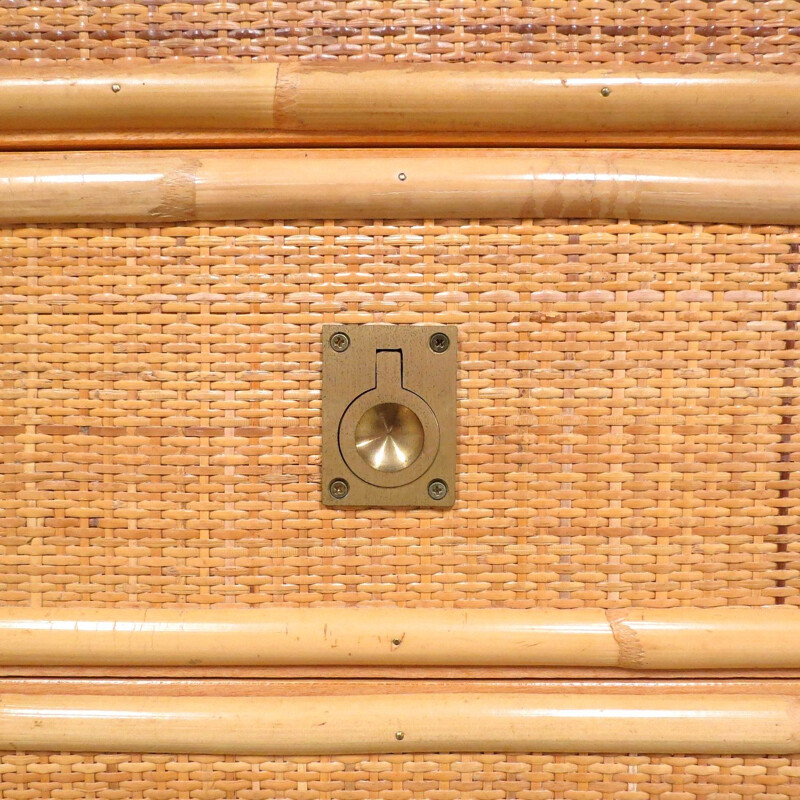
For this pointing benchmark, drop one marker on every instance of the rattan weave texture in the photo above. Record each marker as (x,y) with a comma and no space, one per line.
(542,31)
(485,776)
(628,396)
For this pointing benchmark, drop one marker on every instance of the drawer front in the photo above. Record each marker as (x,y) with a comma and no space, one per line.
(627,394)
(627,434)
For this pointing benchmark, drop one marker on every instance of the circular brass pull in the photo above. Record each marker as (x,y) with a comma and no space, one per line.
(389,437)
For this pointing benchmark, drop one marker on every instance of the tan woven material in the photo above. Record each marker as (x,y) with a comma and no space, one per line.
(627,396)
(485,776)
(540,31)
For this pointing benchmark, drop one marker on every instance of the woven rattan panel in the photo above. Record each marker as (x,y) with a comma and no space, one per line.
(485,776)
(628,398)
(554,31)
(626,395)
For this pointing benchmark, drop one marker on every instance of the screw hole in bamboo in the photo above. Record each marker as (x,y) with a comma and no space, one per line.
(486,104)
(330,724)
(634,638)
(181,186)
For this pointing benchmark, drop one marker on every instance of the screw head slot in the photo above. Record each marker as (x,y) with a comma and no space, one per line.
(340,342)
(437,489)
(439,342)
(339,488)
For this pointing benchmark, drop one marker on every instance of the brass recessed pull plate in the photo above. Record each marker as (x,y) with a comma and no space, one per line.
(389,415)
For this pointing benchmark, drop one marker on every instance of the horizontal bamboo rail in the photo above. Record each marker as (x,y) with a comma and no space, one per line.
(683,638)
(181,186)
(301,104)
(392,723)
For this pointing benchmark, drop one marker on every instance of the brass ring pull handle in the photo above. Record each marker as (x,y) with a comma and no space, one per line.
(388,415)
(388,436)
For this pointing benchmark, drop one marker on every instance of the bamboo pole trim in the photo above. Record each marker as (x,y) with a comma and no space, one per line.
(627,638)
(409,723)
(150,97)
(455,99)
(631,650)
(181,186)
(515,98)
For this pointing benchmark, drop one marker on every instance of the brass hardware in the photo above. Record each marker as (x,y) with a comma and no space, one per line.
(439,342)
(339,489)
(389,437)
(388,415)
(437,489)
(340,342)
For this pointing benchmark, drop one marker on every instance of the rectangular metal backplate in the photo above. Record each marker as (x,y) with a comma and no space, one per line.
(389,415)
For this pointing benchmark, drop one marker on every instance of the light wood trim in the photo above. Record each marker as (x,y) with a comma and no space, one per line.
(453,103)
(154,140)
(679,639)
(356,686)
(180,186)
(351,672)
(517,98)
(85,98)
(392,723)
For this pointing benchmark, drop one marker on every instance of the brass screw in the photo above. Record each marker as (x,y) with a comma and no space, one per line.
(401,176)
(397,642)
(439,342)
(605,91)
(340,342)
(399,735)
(115,87)
(437,489)
(339,488)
